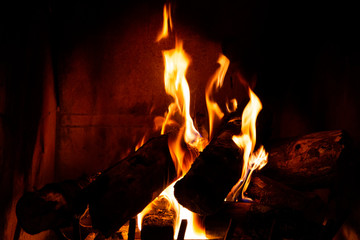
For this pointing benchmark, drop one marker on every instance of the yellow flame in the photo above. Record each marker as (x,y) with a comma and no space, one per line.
(246,141)
(167,21)
(216,82)
(176,63)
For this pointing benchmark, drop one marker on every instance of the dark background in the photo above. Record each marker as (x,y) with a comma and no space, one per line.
(78,79)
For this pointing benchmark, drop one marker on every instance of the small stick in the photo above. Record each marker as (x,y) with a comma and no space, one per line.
(132,225)
(182,230)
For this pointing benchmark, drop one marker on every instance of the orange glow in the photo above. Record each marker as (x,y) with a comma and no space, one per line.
(232,105)
(216,82)
(166,23)
(246,141)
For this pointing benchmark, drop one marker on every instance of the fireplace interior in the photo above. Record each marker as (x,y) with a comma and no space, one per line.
(81,84)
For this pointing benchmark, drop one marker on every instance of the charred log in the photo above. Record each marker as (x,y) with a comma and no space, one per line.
(114,196)
(54,206)
(213,174)
(268,192)
(123,190)
(307,161)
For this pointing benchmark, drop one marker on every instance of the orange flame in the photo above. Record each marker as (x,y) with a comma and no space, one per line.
(216,82)
(166,23)
(176,63)
(246,141)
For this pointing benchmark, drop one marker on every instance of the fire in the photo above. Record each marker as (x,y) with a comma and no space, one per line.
(176,64)
(216,82)
(246,141)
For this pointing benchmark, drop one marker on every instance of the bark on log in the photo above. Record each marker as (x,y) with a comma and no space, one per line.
(268,192)
(213,174)
(158,223)
(308,161)
(51,207)
(125,189)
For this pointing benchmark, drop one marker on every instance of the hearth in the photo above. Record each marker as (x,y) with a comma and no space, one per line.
(180,120)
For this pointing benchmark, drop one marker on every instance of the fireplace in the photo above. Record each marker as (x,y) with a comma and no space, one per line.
(82,83)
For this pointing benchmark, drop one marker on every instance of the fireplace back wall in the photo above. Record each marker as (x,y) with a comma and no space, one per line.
(80,83)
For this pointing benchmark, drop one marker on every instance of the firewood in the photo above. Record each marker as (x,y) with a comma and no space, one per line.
(114,196)
(269,198)
(268,192)
(305,161)
(213,174)
(158,223)
(54,206)
(123,190)
(308,161)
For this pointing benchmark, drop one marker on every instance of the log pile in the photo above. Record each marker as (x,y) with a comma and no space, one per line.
(280,204)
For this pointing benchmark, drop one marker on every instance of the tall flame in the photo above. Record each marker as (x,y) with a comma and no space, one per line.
(176,63)
(216,82)
(246,141)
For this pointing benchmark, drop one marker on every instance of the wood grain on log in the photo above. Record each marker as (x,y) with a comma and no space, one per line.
(306,161)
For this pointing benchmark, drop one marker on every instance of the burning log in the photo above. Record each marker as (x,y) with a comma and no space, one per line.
(159,222)
(306,161)
(114,196)
(213,174)
(271,200)
(123,190)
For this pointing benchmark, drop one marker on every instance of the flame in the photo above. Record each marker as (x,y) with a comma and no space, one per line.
(166,23)
(176,63)
(216,82)
(246,141)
